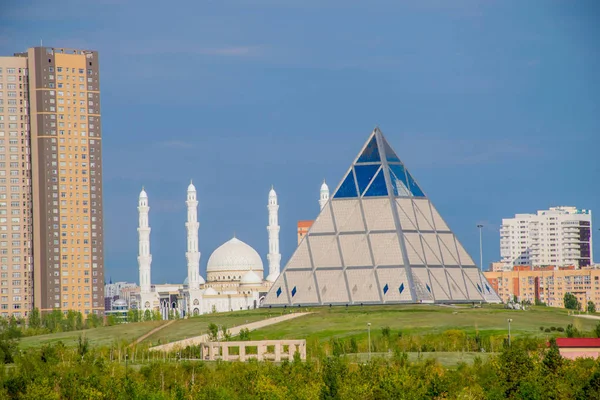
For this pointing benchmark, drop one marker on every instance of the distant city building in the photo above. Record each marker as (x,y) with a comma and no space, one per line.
(303,227)
(51,182)
(497,266)
(114,291)
(547,284)
(559,236)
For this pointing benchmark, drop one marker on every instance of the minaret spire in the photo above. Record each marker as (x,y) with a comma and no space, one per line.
(193,254)
(144,256)
(324,195)
(274,257)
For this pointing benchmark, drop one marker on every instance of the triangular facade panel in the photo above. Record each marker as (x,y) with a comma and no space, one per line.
(355,250)
(423,213)
(324,222)
(378,214)
(348,216)
(386,249)
(325,251)
(301,257)
(363,285)
(332,286)
(302,288)
(379,240)
(440,224)
(406,214)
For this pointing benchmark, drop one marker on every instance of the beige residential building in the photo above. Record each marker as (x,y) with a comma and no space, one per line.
(547,285)
(59,180)
(16,287)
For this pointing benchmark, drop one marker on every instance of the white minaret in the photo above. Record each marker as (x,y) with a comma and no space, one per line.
(144,257)
(192,254)
(274,257)
(324,197)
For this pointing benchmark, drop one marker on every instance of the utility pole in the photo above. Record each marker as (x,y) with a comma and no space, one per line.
(480,248)
(369,338)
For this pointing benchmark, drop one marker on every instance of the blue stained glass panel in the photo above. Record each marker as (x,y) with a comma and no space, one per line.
(278,292)
(414,188)
(370,153)
(377,187)
(401,288)
(399,182)
(348,187)
(294,291)
(364,175)
(488,289)
(428,288)
(479,288)
(390,154)
(385,288)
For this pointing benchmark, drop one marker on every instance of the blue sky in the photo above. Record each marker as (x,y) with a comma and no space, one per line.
(494,106)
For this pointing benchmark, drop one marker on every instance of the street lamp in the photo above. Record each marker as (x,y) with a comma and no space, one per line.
(480,248)
(509,321)
(369,338)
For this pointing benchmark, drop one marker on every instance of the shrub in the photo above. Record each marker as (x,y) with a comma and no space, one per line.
(542,328)
(547,330)
(560,329)
(385,331)
(552,328)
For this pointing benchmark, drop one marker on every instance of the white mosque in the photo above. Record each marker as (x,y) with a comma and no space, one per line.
(234,273)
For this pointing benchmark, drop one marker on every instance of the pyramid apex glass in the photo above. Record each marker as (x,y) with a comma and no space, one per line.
(379,240)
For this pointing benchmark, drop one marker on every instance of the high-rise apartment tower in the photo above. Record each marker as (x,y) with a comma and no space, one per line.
(16,283)
(60,181)
(560,236)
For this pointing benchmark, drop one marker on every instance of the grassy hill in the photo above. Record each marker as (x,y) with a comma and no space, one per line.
(97,336)
(339,322)
(326,323)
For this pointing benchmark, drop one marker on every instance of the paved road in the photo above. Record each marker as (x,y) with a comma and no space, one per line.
(233,331)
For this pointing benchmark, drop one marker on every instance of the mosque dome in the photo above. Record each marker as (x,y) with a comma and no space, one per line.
(119,303)
(324,187)
(186,281)
(250,278)
(210,292)
(191,188)
(143,194)
(234,255)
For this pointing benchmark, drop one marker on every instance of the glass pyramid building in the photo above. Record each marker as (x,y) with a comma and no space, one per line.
(379,240)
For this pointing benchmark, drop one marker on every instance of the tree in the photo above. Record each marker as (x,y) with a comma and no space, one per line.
(245,334)
(147,315)
(35,321)
(93,321)
(213,332)
(591,307)
(597,330)
(571,302)
(572,332)
(552,360)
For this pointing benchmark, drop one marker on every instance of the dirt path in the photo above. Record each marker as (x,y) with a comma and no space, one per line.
(587,316)
(152,332)
(234,332)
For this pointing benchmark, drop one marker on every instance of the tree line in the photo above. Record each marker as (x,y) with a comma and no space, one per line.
(519,371)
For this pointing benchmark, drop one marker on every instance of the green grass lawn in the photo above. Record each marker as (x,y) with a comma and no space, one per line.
(338,322)
(102,336)
(196,326)
(327,323)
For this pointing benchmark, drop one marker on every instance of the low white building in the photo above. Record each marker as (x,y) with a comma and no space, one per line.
(560,236)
